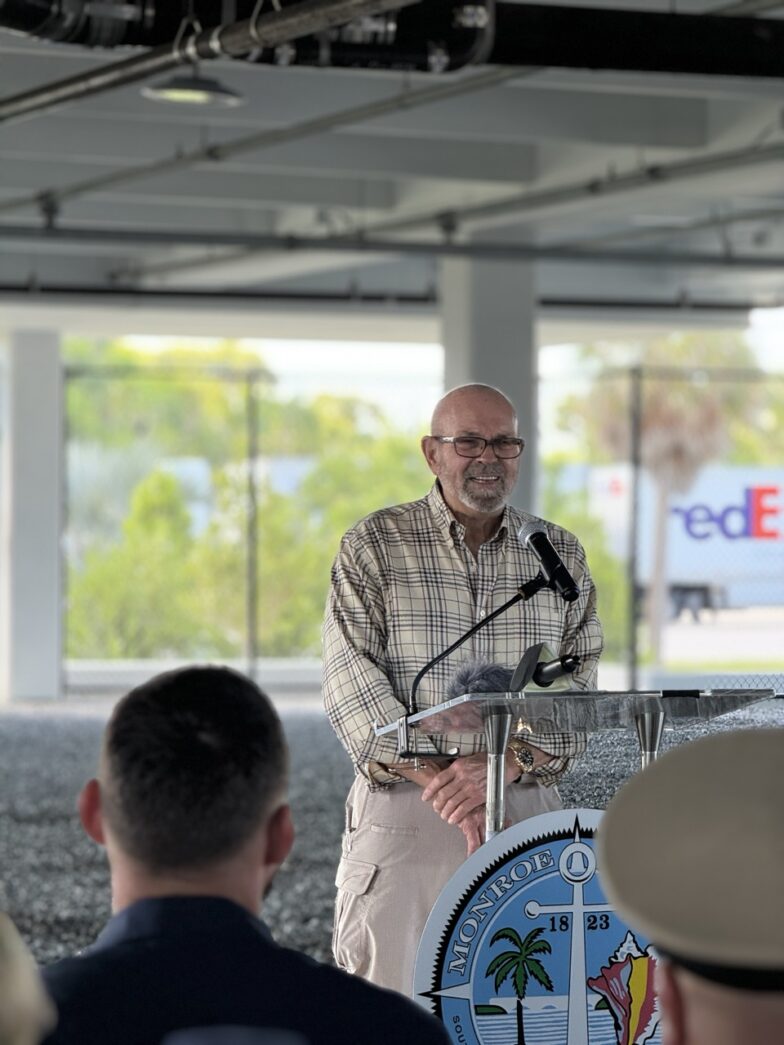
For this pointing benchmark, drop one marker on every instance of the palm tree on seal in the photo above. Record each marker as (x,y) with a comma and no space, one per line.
(520,964)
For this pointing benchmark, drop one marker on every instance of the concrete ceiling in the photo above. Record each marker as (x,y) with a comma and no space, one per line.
(622,187)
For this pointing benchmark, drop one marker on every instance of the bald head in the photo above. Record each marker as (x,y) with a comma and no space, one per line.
(475,486)
(467,399)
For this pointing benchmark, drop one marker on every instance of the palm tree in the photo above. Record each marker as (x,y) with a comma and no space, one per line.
(520,964)
(688,415)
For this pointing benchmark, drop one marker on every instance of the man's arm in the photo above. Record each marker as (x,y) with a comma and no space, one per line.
(358,692)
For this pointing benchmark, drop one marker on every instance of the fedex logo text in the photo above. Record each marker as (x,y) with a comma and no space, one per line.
(753,518)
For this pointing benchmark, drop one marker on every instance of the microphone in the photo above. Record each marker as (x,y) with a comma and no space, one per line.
(555,572)
(545,674)
(479,676)
(482,676)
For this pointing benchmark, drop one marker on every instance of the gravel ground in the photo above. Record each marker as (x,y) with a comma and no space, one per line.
(54,881)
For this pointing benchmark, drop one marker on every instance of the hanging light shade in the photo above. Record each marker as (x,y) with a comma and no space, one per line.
(193,89)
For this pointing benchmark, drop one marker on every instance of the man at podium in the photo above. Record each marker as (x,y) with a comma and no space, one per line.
(407,582)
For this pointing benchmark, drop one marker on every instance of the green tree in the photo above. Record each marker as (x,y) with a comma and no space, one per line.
(131,544)
(292,571)
(298,534)
(355,476)
(520,964)
(761,440)
(133,599)
(688,411)
(295,426)
(181,402)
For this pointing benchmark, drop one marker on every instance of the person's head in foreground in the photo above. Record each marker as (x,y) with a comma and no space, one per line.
(190,802)
(191,792)
(25,1010)
(691,853)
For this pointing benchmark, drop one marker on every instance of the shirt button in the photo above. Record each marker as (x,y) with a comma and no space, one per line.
(482,613)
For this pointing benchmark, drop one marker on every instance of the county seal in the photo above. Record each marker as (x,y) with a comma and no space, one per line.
(523,947)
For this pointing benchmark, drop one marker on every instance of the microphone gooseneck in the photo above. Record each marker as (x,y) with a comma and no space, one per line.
(524,592)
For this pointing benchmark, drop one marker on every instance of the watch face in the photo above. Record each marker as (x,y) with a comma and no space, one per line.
(523,756)
(526,759)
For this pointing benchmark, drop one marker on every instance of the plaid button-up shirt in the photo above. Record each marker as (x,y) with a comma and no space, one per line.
(404,587)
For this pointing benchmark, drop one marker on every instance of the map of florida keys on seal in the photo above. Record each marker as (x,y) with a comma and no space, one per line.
(522,947)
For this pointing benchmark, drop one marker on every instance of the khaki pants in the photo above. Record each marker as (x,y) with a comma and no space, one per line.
(397,856)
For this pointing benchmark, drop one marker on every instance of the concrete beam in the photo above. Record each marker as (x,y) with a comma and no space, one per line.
(213,186)
(345,153)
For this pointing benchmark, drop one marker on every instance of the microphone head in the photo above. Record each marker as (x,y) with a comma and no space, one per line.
(479,676)
(528,530)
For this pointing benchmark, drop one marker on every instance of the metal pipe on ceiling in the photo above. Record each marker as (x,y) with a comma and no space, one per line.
(413,304)
(532,202)
(50,200)
(552,199)
(432,38)
(647,176)
(265,30)
(82,22)
(555,35)
(359,244)
(587,243)
(643,41)
(436,33)
(664,231)
(548,199)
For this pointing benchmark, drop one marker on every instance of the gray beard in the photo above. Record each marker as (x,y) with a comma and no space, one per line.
(487,501)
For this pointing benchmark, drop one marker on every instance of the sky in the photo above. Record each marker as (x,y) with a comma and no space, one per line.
(405,378)
(766,336)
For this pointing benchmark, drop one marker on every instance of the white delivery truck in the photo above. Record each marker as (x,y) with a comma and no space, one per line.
(725,535)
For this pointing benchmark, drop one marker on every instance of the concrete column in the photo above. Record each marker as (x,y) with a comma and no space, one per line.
(31,517)
(488,332)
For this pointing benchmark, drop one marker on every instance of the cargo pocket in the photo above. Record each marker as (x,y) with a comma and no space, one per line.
(349,936)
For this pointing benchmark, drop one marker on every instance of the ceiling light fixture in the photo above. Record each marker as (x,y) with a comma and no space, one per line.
(193,89)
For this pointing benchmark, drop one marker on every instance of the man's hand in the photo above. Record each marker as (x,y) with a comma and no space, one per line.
(473,827)
(459,789)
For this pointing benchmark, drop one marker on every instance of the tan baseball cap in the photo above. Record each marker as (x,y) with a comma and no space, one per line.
(691,853)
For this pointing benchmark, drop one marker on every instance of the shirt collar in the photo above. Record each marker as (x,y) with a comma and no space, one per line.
(450,526)
(173,916)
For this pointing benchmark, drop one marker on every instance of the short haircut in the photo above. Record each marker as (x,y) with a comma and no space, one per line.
(193,761)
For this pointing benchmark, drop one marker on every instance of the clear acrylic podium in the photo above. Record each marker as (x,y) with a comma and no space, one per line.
(498,715)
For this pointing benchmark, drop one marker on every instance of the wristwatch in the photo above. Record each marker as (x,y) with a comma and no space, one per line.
(523,755)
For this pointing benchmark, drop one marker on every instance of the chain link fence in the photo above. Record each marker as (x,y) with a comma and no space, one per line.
(204,509)
(679,500)
(203,513)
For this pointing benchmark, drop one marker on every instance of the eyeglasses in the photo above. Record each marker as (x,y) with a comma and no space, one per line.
(503,446)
